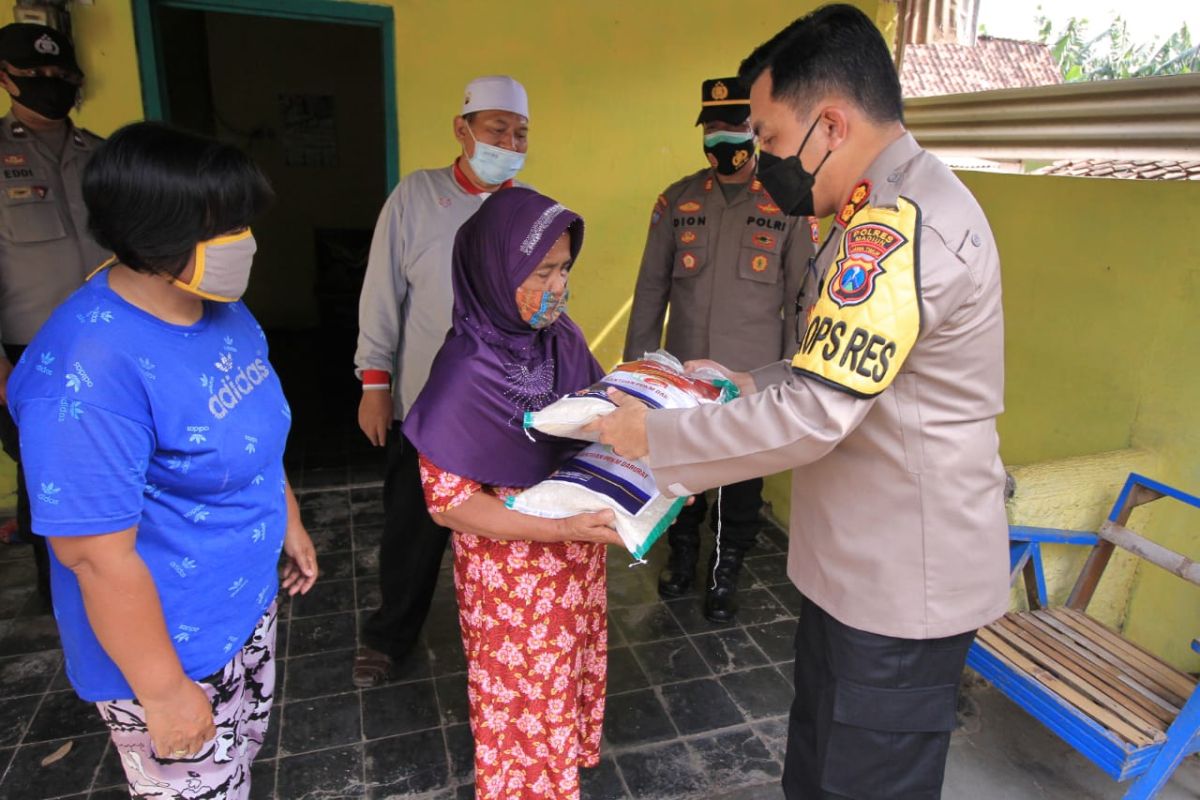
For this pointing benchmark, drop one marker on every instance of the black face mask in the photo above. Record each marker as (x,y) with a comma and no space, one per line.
(53,98)
(788,182)
(730,156)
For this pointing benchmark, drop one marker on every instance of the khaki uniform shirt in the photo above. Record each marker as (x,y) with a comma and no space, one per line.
(45,248)
(886,414)
(730,271)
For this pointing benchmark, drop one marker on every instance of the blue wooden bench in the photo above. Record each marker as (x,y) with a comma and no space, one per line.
(1126,710)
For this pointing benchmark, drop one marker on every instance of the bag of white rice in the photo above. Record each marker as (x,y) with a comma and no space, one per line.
(657,380)
(597,478)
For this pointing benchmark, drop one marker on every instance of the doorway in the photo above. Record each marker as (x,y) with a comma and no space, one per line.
(307,89)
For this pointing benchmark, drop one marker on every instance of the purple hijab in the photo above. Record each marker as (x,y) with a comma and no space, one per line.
(493,367)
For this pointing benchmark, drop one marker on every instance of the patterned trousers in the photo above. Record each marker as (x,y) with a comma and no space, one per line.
(241,693)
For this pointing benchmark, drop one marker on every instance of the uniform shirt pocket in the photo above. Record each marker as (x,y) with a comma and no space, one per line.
(758,258)
(30,218)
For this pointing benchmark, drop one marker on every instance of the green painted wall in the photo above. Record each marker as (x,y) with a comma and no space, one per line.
(1101,291)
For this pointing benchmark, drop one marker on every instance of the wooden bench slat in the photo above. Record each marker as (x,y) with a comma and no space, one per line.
(1043,676)
(1100,675)
(1126,659)
(1127,673)
(1151,701)
(1174,680)
(1099,695)
(1137,675)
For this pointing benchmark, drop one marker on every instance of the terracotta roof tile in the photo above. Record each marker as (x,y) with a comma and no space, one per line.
(936,69)
(1120,168)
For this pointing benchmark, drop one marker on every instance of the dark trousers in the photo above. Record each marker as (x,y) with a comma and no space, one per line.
(410,554)
(12,448)
(739,512)
(872,715)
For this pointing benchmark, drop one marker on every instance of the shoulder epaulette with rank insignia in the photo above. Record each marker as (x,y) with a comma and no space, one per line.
(858,199)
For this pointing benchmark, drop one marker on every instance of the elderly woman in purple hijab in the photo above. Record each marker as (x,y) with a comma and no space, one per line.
(531,591)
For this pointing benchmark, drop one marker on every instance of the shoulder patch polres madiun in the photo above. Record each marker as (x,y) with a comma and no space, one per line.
(867,319)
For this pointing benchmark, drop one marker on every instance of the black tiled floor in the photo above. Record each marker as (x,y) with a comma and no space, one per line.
(737,758)
(637,717)
(624,674)
(776,640)
(17,713)
(328,773)
(646,623)
(695,710)
(320,723)
(760,693)
(409,764)
(71,774)
(672,660)
(63,711)
(602,782)
(729,650)
(399,708)
(28,674)
(318,674)
(460,746)
(699,706)
(668,770)
(317,634)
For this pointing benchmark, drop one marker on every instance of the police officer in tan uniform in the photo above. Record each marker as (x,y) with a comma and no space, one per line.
(886,413)
(729,263)
(45,248)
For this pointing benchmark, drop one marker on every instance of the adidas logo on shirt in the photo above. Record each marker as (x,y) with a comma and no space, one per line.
(235,386)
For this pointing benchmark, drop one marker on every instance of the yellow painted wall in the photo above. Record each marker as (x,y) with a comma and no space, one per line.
(1101,291)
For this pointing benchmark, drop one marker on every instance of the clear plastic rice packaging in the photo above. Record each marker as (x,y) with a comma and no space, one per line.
(597,478)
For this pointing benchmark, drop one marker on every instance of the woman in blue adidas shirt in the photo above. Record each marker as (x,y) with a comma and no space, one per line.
(152,431)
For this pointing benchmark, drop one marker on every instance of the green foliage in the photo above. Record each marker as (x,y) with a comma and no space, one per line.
(1112,54)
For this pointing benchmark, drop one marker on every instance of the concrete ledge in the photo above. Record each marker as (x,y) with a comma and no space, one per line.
(1077,493)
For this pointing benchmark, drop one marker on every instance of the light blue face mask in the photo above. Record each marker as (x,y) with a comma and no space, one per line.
(494,165)
(727,137)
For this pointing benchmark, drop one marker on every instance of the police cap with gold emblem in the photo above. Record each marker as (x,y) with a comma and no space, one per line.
(724,100)
(25,45)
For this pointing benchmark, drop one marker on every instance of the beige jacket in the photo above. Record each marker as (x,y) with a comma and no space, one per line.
(729,270)
(897,523)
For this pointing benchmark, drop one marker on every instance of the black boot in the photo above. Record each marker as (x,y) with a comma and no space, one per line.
(676,578)
(720,598)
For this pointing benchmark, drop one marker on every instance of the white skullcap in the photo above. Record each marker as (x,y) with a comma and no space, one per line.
(496,93)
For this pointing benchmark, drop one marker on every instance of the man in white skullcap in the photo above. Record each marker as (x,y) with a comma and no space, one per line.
(403,317)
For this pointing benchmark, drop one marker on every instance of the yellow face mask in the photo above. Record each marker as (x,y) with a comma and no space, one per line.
(222,269)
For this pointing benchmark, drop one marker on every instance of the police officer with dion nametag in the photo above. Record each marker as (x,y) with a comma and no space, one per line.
(885,412)
(729,263)
(45,249)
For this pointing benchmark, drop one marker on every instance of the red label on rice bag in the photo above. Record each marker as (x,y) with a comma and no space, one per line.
(656,385)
